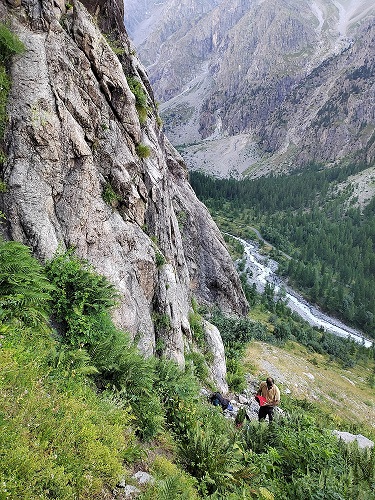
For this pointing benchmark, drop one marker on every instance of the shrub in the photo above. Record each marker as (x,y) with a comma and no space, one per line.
(257,436)
(197,329)
(81,301)
(176,389)
(122,368)
(4,92)
(115,45)
(161,321)
(182,219)
(10,45)
(206,440)
(58,437)
(171,483)
(142,150)
(110,196)
(140,98)
(371,380)
(200,366)
(209,451)
(80,295)
(235,375)
(159,259)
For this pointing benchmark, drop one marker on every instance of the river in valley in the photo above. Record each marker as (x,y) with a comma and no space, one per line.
(261,270)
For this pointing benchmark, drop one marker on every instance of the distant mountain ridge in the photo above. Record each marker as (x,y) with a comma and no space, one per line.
(282,83)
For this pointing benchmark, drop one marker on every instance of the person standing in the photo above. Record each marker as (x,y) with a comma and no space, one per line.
(271,393)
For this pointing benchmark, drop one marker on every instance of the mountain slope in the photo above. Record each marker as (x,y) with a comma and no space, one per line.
(295,77)
(306,375)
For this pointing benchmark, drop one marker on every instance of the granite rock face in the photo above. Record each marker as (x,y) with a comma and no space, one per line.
(218,366)
(75,179)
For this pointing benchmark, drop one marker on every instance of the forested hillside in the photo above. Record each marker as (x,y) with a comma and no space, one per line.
(331,241)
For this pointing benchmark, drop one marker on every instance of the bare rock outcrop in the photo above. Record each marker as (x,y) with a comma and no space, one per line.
(217,366)
(83,170)
(362,441)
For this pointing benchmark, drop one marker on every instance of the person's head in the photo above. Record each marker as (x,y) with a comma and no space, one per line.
(270,381)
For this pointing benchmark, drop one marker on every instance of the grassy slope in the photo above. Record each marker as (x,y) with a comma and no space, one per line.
(342,392)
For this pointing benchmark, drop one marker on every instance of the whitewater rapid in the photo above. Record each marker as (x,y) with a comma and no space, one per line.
(262,270)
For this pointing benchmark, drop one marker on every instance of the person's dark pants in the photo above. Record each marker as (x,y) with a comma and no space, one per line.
(264,411)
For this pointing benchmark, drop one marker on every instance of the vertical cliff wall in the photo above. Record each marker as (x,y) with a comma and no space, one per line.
(84,171)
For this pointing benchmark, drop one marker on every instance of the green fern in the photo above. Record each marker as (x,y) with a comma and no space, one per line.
(73,361)
(170,489)
(24,288)
(80,294)
(81,302)
(10,44)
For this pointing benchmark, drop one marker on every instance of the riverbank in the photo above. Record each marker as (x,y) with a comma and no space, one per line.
(261,270)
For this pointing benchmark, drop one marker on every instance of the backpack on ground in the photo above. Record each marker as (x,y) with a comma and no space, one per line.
(218,400)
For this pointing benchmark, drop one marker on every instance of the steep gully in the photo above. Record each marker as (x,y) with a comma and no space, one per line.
(262,270)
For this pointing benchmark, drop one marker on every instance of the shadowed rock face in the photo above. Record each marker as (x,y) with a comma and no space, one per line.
(109,13)
(72,137)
